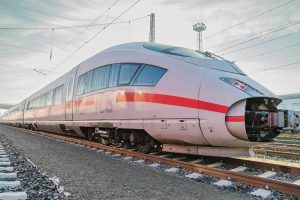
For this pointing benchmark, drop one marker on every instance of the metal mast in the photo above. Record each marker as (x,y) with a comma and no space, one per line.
(199,27)
(152,28)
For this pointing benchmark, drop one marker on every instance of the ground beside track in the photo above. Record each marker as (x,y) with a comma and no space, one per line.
(88,175)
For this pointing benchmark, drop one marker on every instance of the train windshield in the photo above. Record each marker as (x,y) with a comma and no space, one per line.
(180,51)
(177,51)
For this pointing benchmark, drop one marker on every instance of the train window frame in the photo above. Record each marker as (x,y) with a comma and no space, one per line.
(54,95)
(110,84)
(70,88)
(82,76)
(115,83)
(49,94)
(88,81)
(128,83)
(42,100)
(140,71)
(108,81)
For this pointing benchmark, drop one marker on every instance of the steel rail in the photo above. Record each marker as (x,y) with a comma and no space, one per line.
(291,155)
(284,187)
(284,150)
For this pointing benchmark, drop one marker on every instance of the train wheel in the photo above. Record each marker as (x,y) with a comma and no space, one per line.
(144,148)
(126,145)
(90,134)
(31,127)
(104,141)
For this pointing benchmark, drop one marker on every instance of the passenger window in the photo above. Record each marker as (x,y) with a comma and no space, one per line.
(70,88)
(38,100)
(114,75)
(88,82)
(49,98)
(127,71)
(57,95)
(149,76)
(101,77)
(42,100)
(81,84)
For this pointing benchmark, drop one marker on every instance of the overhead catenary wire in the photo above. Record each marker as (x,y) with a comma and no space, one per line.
(267,52)
(69,42)
(86,27)
(38,71)
(260,36)
(52,32)
(247,47)
(18,66)
(104,28)
(23,48)
(250,35)
(51,50)
(76,36)
(71,27)
(14,66)
(278,67)
(95,35)
(249,19)
(62,48)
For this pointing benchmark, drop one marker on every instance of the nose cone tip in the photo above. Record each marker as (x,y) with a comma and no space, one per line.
(254,119)
(235,120)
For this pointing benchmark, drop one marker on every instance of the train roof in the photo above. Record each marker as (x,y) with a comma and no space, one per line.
(127,46)
(164,48)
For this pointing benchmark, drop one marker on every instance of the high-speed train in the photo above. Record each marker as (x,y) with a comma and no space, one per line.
(149,95)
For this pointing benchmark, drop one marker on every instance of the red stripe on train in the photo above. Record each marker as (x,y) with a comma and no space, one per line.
(170,100)
(235,118)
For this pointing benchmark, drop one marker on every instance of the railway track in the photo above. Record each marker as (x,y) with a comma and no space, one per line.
(279,149)
(194,165)
(10,186)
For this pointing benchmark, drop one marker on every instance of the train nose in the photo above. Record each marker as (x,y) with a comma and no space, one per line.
(255,119)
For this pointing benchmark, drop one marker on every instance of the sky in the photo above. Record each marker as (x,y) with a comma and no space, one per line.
(23,52)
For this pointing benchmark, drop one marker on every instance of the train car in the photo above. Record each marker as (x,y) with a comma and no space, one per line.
(149,96)
(14,116)
(291,103)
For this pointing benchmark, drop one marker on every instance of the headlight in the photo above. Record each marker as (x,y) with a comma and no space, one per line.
(242,86)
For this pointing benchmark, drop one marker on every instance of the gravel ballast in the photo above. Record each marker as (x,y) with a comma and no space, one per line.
(87,174)
(37,184)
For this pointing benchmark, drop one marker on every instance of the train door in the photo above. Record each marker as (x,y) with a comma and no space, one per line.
(69,96)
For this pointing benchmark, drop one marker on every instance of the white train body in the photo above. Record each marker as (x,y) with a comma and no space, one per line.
(193,99)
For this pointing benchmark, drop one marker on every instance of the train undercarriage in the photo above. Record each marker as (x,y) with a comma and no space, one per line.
(126,138)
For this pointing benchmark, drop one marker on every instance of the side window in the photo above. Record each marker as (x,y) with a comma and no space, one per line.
(114,75)
(38,102)
(81,84)
(70,88)
(149,75)
(127,71)
(101,77)
(30,105)
(57,95)
(49,98)
(33,104)
(42,100)
(88,82)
